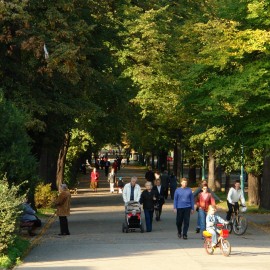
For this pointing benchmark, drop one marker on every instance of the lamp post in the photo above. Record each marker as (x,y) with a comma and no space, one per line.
(242,168)
(203,165)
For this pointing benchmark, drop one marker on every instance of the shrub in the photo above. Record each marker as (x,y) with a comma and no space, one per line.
(14,253)
(44,196)
(10,211)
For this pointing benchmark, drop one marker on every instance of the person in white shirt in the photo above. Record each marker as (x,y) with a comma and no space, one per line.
(132,191)
(234,195)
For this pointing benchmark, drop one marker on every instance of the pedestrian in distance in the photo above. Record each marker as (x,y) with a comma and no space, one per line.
(196,193)
(120,184)
(63,208)
(183,207)
(204,200)
(107,165)
(159,189)
(94,178)
(131,191)
(211,223)
(165,182)
(111,180)
(150,176)
(235,195)
(148,199)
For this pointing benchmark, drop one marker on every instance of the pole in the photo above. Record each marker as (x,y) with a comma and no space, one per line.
(242,168)
(203,165)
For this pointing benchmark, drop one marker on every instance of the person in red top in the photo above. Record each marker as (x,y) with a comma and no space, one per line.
(94,180)
(203,201)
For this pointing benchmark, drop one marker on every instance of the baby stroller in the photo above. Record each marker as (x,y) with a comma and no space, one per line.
(132,217)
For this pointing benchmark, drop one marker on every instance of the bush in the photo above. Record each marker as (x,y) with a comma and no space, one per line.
(44,196)
(14,253)
(10,206)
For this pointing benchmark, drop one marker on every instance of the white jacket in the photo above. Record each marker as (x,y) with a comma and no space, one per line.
(236,195)
(127,191)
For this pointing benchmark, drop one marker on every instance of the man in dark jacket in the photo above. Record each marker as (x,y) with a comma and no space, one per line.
(159,189)
(165,182)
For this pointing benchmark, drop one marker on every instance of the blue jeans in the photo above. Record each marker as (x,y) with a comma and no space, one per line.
(183,216)
(202,219)
(148,214)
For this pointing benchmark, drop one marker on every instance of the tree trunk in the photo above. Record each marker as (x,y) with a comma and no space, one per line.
(253,189)
(62,160)
(218,177)
(47,165)
(163,160)
(265,190)
(192,171)
(211,171)
(227,182)
(177,160)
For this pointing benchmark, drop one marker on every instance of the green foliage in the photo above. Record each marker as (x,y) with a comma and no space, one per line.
(15,151)
(10,202)
(44,196)
(14,253)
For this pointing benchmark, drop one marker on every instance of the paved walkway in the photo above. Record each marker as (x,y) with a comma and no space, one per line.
(97,242)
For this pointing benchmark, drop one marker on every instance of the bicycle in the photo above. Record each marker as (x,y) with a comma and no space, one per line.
(223,243)
(238,223)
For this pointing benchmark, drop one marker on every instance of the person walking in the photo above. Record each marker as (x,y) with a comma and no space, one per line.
(165,182)
(203,201)
(148,198)
(159,189)
(183,207)
(150,176)
(234,195)
(196,193)
(94,180)
(132,191)
(111,180)
(63,208)
(107,165)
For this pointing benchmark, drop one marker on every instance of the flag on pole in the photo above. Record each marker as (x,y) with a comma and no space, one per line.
(46,53)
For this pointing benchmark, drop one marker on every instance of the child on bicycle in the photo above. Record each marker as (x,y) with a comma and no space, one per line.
(234,195)
(211,223)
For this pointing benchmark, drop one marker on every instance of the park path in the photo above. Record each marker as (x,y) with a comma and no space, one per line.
(97,242)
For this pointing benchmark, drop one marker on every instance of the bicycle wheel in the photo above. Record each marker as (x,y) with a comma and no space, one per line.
(229,226)
(240,225)
(208,246)
(225,247)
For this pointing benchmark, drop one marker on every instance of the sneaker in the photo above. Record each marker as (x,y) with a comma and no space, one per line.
(179,235)
(198,230)
(185,237)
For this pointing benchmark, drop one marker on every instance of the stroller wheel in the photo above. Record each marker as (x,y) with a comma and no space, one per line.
(126,230)
(123,227)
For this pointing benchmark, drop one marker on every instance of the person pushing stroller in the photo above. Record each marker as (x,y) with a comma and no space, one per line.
(131,191)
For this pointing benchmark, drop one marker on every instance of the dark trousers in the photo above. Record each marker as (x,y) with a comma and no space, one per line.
(148,214)
(64,225)
(166,191)
(232,208)
(172,190)
(106,171)
(183,216)
(159,210)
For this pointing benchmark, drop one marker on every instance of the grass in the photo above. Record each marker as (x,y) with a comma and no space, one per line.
(14,253)
(45,212)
